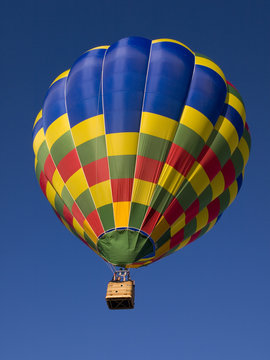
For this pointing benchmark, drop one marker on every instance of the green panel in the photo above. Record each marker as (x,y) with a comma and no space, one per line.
(38,170)
(122,166)
(164,238)
(92,150)
(59,205)
(137,214)
(220,147)
(106,216)
(62,147)
(85,203)
(189,140)
(204,230)
(89,241)
(246,136)
(206,197)
(190,228)
(238,162)
(235,93)
(161,199)
(153,147)
(186,195)
(68,200)
(123,247)
(224,200)
(42,154)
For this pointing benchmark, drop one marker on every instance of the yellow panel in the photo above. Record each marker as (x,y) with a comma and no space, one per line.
(57,129)
(78,228)
(36,162)
(89,231)
(39,115)
(210,64)
(196,121)
(178,224)
(163,249)
(233,189)
(99,47)
(61,76)
(142,191)
(161,227)
(122,143)
(228,131)
(198,178)
(50,194)
(243,147)
(101,193)
(172,41)
(237,105)
(88,129)
(217,185)
(58,182)
(77,184)
(183,243)
(38,140)
(158,125)
(121,213)
(202,219)
(211,224)
(170,179)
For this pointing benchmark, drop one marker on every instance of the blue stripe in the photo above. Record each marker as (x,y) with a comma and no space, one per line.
(234,117)
(125,68)
(54,104)
(170,71)
(239,181)
(83,94)
(207,93)
(37,127)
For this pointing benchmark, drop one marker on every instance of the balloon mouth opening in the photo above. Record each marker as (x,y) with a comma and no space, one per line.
(125,246)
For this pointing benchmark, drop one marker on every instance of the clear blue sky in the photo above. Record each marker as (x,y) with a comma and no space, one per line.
(207,302)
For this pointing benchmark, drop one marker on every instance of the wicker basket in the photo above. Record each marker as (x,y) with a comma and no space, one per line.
(120,295)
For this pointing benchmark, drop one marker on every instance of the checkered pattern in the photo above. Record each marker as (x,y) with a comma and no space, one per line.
(152,138)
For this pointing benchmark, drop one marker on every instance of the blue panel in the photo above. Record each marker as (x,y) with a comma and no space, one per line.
(124,74)
(169,75)
(83,94)
(54,103)
(234,117)
(37,127)
(239,181)
(207,93)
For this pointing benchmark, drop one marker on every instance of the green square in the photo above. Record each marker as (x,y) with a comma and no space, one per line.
(92,150)
(238,162)
(59,205)
(85,203)
(190,228)
(42,154)
(122,166)
(62,147)
(137,214)
(161,199)
(189,140)
(187,195)
(67,198)
(224,200)
(153,147)
(106,216)
(205,198)
(220,147)
(164,238)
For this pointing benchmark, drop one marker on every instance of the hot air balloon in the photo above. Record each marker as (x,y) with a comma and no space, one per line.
(139,148)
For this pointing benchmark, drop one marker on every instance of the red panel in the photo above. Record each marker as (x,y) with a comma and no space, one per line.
(49,167)
(43,182)
(209,161)
(97,171)
(177,239)
(95,223)
(78,214)
(180,159)
(194,236)
(121,189)
(173,212)
(152,217)
(69,165)
(68,216)
(228,172)
(213,209)
(148,169)
(192,211)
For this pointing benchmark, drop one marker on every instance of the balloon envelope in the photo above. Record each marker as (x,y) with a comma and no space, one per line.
(140,147)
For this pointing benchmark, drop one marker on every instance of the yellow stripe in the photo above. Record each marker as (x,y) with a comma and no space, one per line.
(39,116)
(122,143)
(170,179)
(196,121)
(50,194)
(58,182)
(121,213)
(59,127)
(142,191)
(158,125)
(61,76)
(89,231)
(172,41)
(101,193)
(161,227)
(243,147)
(77,184)
(77,227)
(99,47)
(228,131)
(237,105)
(202,219)
(217,185)
(198,178)
(210,64)
(233,189)
(88,129)
(178,224)
(38,140)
